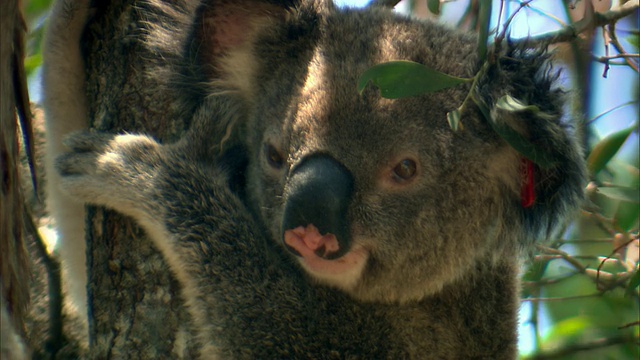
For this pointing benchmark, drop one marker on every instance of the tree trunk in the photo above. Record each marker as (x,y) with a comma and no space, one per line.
(14,275)
(134,305)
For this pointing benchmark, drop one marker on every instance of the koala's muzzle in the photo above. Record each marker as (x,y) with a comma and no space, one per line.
(318,194)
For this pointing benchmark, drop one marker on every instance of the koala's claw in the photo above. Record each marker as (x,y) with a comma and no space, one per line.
(109,170)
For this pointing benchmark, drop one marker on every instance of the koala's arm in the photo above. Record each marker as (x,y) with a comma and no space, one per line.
(64,101)
(186,208)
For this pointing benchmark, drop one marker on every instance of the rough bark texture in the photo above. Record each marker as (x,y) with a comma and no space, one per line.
(14,274)
(134,304)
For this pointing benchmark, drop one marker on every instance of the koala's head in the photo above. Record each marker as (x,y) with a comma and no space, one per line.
(379,197)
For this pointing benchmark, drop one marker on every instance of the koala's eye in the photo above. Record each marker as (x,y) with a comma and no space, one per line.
(274,158)
(405,170)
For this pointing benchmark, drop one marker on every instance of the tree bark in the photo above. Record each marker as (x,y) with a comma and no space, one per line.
(14,275)
(134,305)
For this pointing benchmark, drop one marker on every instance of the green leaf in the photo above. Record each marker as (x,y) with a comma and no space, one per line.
(604,150)
(31,63)
(626,216)
(621,193)
(633,283)
(36,8)
(526,148)
(574,326)
(400,79)
(634,40)
(453,117)
(434,6)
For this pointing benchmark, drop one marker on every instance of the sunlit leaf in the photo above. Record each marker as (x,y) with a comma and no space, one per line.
(31,63)
(453,118)
(633,283)
(434,6)
(570,327)
(604,150)
(399,79)
(621,193)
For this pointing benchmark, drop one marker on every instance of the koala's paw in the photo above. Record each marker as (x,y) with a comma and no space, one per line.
(115,171)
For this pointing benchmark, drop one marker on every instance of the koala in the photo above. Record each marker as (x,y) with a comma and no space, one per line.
(346,225)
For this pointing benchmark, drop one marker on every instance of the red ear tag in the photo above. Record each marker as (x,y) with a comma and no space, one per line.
(527,192)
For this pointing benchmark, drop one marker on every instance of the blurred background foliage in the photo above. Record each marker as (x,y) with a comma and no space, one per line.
(580,296)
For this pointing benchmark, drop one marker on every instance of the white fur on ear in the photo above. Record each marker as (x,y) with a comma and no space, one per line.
(230,33)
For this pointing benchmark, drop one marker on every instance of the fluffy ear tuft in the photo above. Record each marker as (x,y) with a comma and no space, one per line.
(224,38)
(524,102)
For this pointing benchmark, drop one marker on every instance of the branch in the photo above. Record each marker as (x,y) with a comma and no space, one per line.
(605,59)
(618,46)
(572,31)
(568,258)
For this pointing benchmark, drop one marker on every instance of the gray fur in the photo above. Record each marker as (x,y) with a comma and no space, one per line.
(440,275)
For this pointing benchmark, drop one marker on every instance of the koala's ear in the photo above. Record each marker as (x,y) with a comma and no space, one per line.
(224,36)
(525,107)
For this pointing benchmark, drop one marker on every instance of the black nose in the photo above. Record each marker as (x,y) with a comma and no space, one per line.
(318,193)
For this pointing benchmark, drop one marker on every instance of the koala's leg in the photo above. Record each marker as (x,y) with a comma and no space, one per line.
(65,107)
(185,207)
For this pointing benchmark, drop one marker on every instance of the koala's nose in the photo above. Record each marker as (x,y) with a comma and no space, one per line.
(318,193)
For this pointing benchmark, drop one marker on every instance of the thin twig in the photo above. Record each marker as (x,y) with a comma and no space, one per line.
(611,57)
(585,241)
(635,323)
(548,281)
(609,257)
(507,23)
(619,47)
(568,258)
(571,32)
(605,223)
(564,298)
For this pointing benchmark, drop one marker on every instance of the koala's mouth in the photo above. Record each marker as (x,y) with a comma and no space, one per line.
(315,253)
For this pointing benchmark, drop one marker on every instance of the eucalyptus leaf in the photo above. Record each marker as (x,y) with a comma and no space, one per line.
(633,283)
(606,148)
(626,216)
(400,79)
(621,193)
(453,117)
(434,6)
(32,63)
(634,40)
